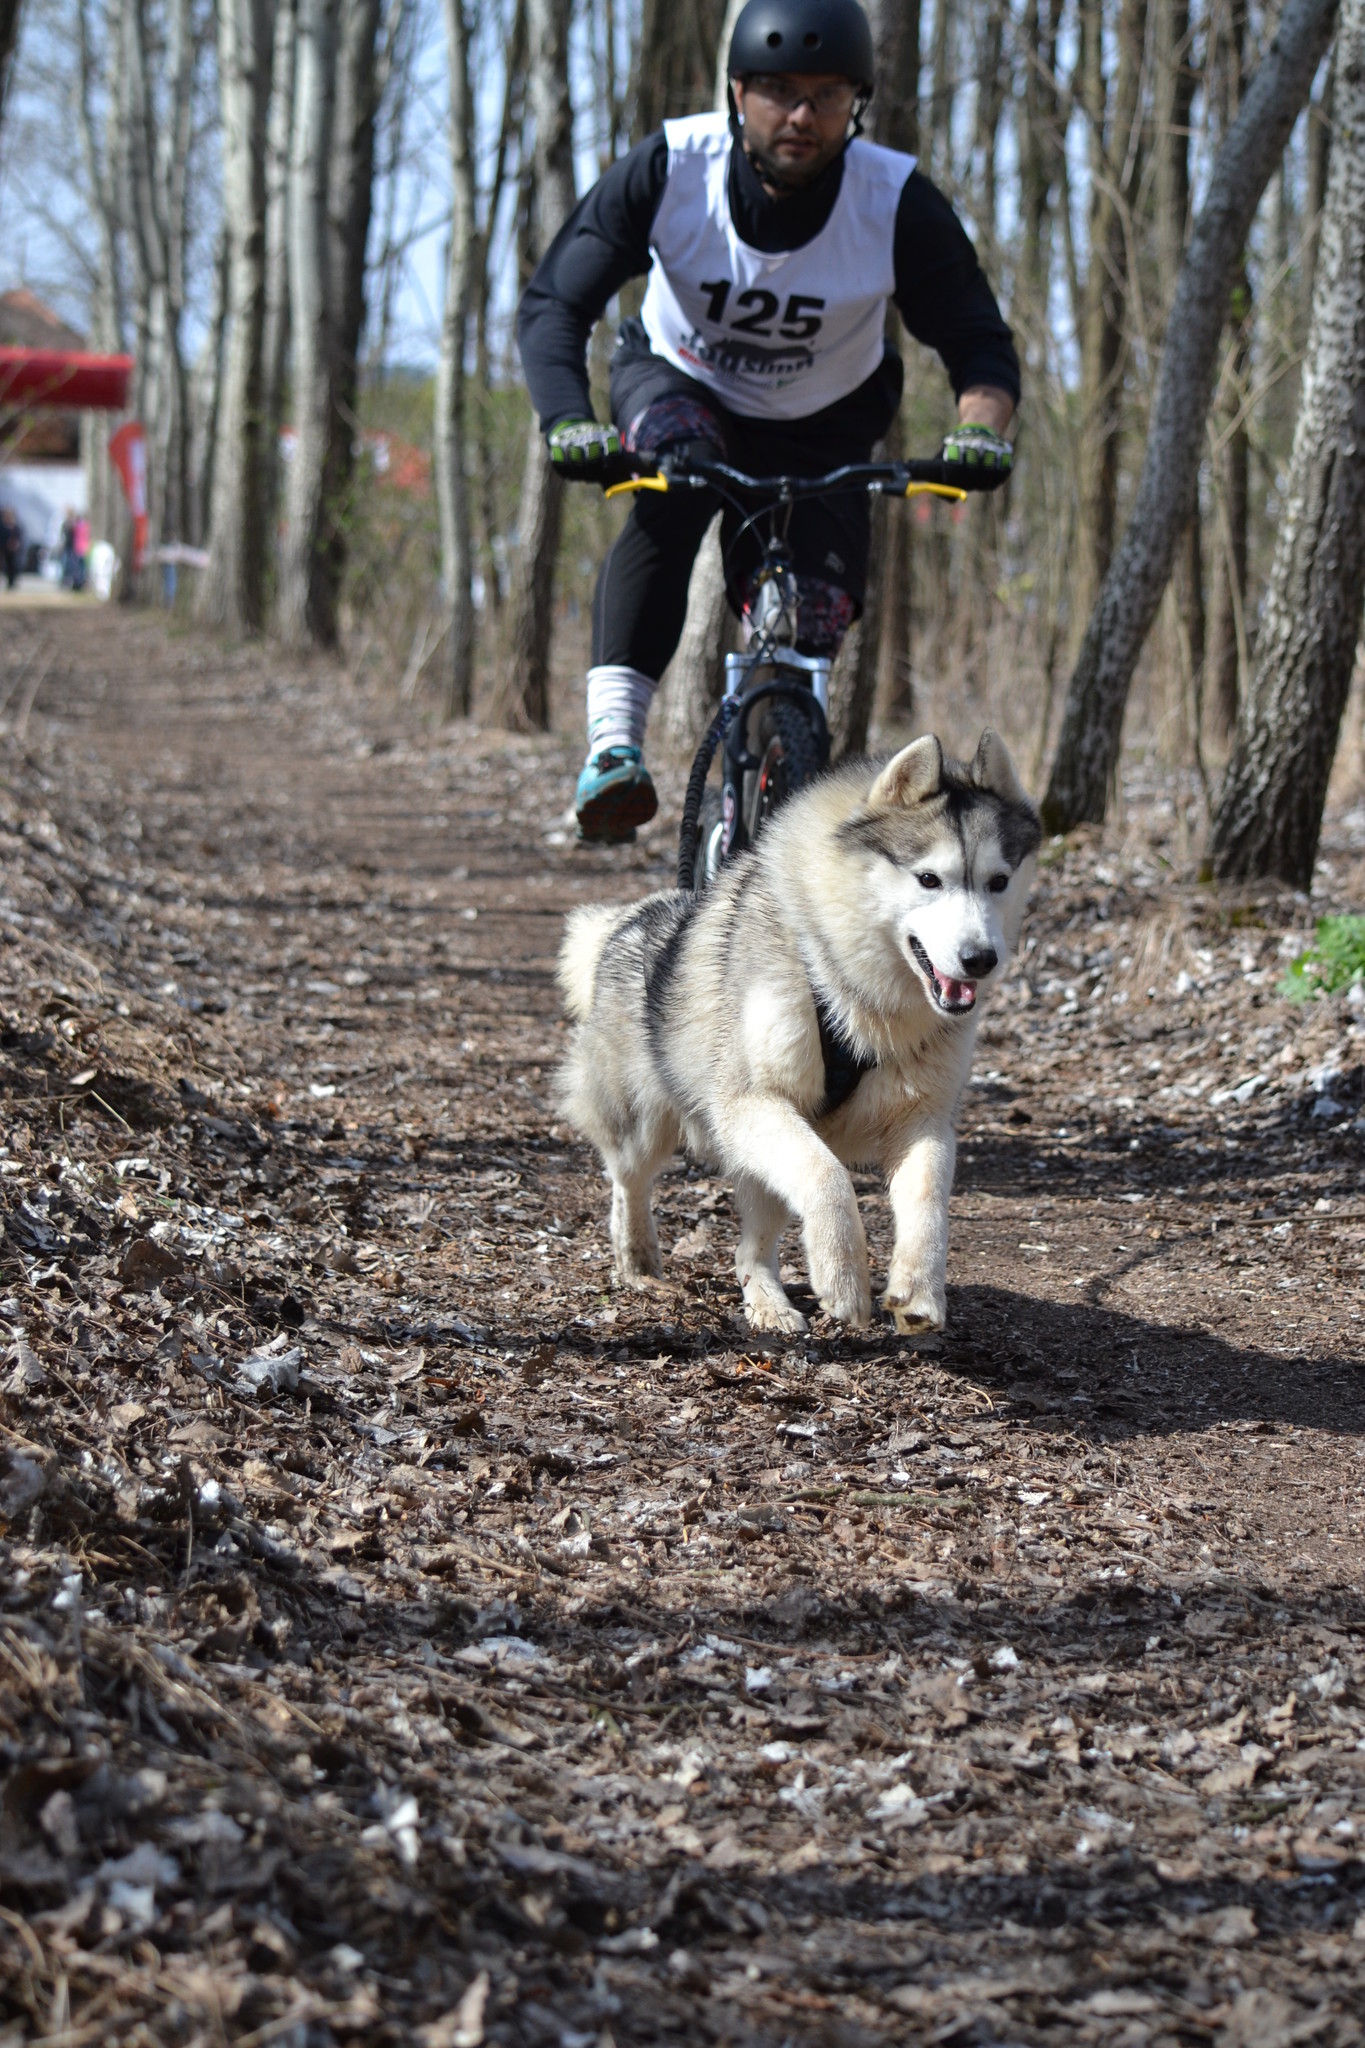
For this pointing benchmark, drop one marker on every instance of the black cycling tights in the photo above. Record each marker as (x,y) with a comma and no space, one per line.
(640,601)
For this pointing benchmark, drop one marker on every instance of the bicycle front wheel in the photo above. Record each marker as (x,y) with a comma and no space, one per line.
(707,861)
(789,757)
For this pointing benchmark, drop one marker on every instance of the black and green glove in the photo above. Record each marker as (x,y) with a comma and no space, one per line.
(579,448)
(980,449)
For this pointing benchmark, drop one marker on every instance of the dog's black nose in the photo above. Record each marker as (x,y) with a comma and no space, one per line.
(976,965)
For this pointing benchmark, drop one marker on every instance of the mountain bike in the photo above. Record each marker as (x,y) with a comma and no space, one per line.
(772,727)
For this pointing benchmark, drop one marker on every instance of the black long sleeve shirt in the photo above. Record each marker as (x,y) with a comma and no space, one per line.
(940,292)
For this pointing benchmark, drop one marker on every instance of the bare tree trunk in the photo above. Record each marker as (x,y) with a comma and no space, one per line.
(331,178)
(276,342)
(1040,151)
(310,159)
(1173,101)
(173,150)
(695,677)
(1174,98)
(452,482)
(366,57)
(892,677)
(942,92)
(1227,652)
(524,696)
(206,397)
(691,685)
(232,588)
(1270,808)
(392,249)
(1092,724)
(720,94)
(156,142)
(882,644)
(1113,172)
(1320,118)
(145,241)
(99,150)
(675,59)
(990,100)
(513,93)
(9,37)
(1225,73)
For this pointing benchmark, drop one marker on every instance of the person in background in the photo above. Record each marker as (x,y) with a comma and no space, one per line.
(68,548)
(11,545)
(80,548)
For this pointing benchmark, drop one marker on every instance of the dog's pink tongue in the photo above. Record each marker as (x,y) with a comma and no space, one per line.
(959,995)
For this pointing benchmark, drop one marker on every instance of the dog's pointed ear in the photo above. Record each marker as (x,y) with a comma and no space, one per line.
(993,769)
(913,774)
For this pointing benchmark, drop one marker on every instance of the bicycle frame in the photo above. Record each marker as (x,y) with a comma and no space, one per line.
(805,684)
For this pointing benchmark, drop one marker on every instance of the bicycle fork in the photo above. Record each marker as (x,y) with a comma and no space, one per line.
(747,768)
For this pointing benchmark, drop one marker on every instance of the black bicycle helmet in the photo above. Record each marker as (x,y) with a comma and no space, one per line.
(804,37)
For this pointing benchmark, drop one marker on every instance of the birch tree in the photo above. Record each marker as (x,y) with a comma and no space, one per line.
(157,153)
(524,696)
(275,345)
(98,97)
(1270,808)
(206,392)
(452,481)
(232,588)
(1092,723)
(311,316)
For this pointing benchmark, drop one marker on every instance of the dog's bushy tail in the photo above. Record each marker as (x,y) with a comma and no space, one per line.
(585,937)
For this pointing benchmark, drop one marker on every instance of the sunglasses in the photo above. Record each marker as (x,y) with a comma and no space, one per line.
(836,96)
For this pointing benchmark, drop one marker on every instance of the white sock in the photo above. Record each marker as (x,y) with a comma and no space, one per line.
(618,706)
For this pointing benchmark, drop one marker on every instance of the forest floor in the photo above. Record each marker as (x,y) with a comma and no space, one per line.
(404,1638)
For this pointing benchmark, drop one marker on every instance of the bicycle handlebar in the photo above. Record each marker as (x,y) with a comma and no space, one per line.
(893,479)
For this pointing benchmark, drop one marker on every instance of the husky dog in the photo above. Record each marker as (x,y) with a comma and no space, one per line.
(814,1010)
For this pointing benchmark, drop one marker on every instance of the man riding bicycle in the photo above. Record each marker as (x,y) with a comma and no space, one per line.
(760,342)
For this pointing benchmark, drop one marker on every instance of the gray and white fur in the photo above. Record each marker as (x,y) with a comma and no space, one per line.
(890,897)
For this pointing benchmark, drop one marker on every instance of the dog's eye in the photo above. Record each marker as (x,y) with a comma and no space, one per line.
(998,884)
(929,881)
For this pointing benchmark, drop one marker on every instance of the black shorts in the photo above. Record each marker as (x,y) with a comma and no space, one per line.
(829,538)
(641,598)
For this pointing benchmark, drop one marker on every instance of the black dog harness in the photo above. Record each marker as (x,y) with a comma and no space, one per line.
(844,1066)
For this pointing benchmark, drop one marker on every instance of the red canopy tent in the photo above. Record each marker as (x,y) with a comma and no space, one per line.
(72,380)
(64,377)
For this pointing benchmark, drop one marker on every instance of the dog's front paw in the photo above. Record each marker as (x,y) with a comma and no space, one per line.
(848,1299)
(778,1316)
(641,1278)
(836,1259)
(916,1314)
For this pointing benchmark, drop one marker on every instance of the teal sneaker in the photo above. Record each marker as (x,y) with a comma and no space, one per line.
(614,795)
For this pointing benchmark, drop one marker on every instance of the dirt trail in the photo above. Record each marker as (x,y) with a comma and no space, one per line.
(407,1639)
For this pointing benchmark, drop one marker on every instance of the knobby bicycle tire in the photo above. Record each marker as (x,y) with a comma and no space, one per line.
(782,736)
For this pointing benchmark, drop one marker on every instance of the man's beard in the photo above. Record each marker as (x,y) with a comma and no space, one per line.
(786,177)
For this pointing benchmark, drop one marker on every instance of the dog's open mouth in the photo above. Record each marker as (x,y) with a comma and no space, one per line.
(956,997)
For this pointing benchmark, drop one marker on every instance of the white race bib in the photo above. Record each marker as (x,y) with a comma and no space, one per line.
(774,336)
